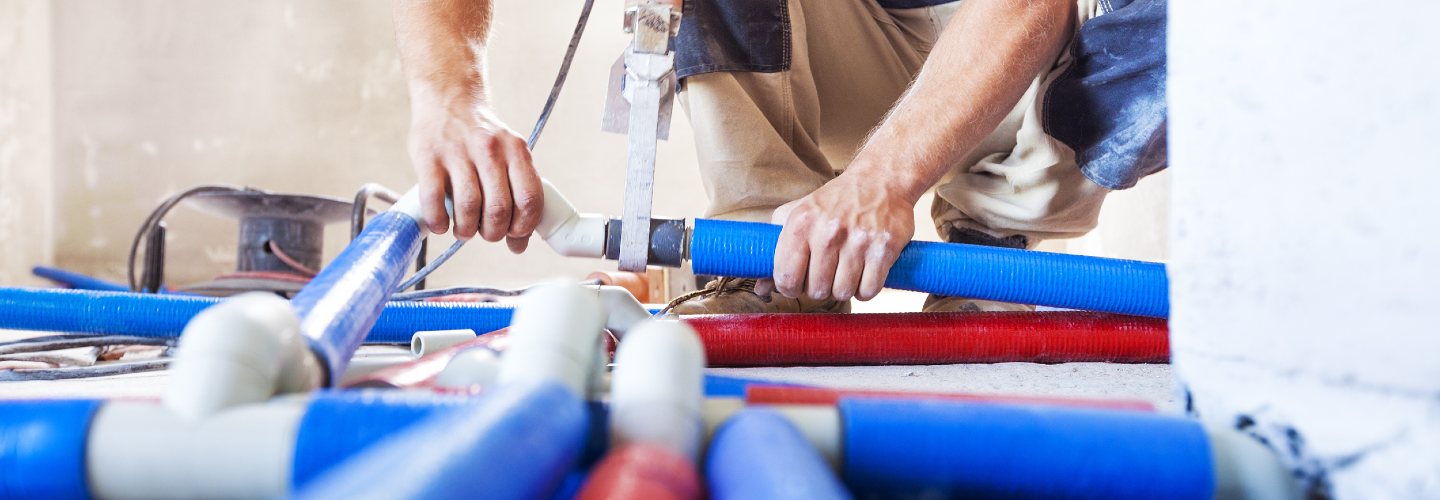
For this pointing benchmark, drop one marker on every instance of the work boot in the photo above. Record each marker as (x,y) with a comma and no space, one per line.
(737,296)
(943,303)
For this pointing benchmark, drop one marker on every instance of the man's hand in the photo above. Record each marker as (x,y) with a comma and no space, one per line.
(840,241)
(482,165)
(457,146)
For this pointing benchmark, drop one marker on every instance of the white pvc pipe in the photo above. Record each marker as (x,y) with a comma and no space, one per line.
(566,230)
(141,450)
(425,343)
(242,350)
(657,388)
(1245,468)
(553,337)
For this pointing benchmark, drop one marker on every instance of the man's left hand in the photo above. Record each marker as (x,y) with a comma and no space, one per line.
(840,241)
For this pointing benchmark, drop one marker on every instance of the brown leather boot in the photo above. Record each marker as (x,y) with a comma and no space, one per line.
(737,296)
(942,303)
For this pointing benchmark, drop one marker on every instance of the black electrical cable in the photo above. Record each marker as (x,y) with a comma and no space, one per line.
(158,215)
(457,290)
(104,370)
(534,136)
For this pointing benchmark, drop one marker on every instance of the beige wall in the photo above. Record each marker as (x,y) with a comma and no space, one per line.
(25,141)
(152,96)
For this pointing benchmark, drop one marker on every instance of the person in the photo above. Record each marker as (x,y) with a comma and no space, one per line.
(834,118)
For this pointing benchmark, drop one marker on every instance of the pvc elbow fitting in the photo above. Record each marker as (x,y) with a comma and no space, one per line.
(553,337)
(476,367)
(623,309)
(657,388)
(566,230)
(242,350)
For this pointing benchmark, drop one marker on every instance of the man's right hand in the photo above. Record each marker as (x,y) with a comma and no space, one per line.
(464,151)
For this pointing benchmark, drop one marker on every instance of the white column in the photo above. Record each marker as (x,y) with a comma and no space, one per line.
(1305,146)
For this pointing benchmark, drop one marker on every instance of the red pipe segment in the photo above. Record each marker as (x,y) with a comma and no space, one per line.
(931,338)
(642,471)
(787,395)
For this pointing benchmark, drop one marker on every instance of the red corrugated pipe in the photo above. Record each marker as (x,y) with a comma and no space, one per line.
(931,338)
(785,395)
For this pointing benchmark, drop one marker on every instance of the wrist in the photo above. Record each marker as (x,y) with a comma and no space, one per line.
(895,180)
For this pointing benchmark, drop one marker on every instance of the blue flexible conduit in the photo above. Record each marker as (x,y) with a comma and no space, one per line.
(338,307)
(516,442)
(338,424)
(150,315)
(76,280)
(947,449)
(759,454)
(42,448)
(747,250)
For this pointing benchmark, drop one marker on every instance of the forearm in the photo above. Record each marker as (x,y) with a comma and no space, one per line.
(442,47)
(980,67)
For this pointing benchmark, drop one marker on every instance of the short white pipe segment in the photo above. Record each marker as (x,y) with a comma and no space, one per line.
(820,424)
(427,342)
(657,388)
(243,350)
(364,366)
(1247,469)
(141,450)
(553,337)
(471,368)
(566,230)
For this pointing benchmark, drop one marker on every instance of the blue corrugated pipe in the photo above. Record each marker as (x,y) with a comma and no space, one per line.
(42,448)
(72,279)
(338,307)
(747,250)
(913,448)
(759,454)
(338,424)
(150,315)
(516,442)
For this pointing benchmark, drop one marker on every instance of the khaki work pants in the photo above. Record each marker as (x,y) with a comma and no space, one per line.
(765,139)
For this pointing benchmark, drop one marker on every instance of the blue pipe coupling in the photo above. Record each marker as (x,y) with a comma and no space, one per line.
(747,250)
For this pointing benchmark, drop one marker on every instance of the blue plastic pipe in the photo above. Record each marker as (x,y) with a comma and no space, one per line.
(338,307)
(42,448)
(948,449)
(149,315)
(76,280)
(516,442)
(339,424)
(747,250)
(759,454)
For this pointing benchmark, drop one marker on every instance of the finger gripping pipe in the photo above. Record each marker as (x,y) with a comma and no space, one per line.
(747,250)
(930,338)
(338,307)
